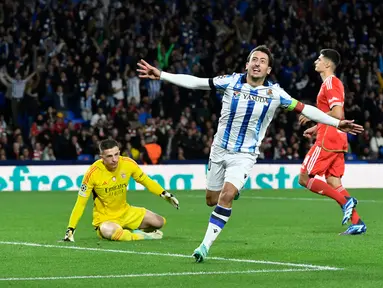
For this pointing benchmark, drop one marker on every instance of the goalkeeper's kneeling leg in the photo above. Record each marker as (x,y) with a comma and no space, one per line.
(113,231)
(152,222)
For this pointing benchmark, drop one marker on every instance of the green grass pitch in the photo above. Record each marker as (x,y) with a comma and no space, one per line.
(270,233)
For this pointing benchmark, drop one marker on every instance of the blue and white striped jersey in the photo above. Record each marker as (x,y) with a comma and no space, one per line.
(246,112)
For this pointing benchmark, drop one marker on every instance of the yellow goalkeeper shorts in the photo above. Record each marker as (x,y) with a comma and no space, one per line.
(131,219)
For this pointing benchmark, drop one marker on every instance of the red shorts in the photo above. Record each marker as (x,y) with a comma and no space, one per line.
(321,162)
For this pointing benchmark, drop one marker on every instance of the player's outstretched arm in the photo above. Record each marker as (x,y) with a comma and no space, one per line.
(78,209)
(140,177)
(317,115)
(75,217)
(157,189)
(148,71)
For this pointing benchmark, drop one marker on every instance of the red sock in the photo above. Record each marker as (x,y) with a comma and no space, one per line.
(355,216)
(320,187)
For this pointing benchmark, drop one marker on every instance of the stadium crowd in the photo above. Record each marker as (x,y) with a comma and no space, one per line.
(68,74)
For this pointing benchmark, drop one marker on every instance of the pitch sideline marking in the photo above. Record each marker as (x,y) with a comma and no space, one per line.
(242,196)
(285,198)
(307,266)
(159,274)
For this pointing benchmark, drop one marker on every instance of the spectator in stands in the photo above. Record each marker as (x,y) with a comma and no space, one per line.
(376,145)
(3,125)
(97,118)
(25,155)
(17,86)
(48,153)
(37,152)
(78,49)
(152,152)
(86,105)
(133,85)
(60,100)
(118,87)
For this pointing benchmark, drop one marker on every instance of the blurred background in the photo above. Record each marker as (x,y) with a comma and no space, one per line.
(68,73)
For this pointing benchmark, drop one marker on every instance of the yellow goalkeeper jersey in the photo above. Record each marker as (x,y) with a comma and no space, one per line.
(109,190)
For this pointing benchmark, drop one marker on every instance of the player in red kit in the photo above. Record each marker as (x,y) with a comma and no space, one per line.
(326,156)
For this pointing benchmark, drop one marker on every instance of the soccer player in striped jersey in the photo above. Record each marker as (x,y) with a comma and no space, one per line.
(248,106)
(326,156)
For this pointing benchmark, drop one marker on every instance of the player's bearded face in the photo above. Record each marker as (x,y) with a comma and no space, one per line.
(110,158)
(258,65)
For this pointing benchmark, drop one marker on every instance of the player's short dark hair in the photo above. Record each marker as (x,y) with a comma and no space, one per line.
(264,49)
(107,144)
(331,55)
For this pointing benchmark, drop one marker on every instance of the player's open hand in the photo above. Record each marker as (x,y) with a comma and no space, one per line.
(349,126)
(148,71)
(171,199)
(308,133)
(303,120)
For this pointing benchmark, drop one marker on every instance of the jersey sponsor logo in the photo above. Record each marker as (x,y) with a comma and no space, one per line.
(255,98)
(247,96)
(117,189)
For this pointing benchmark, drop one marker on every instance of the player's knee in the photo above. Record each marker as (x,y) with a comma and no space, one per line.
(160,222)
(334,182)
(332,185)
(107,229)
(156,221)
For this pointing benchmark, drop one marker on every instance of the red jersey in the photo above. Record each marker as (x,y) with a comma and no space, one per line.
(331,94)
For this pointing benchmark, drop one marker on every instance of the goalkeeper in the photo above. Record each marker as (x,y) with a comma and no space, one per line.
(113,218)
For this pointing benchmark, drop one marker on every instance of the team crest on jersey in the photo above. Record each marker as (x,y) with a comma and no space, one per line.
(123,175)
(236,94)
(114,179)
(269,92)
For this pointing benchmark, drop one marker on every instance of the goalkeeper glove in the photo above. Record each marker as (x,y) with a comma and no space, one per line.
(69,235)
(170,198)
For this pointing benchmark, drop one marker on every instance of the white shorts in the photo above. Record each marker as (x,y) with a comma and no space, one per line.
(225,166)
